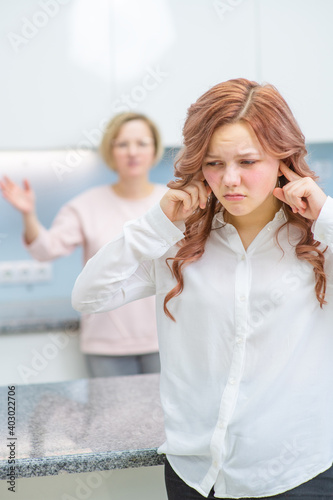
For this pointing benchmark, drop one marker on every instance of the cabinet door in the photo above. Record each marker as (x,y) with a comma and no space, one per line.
(56,59)
(170,52)
(70,66)
(41,357)
(296,47)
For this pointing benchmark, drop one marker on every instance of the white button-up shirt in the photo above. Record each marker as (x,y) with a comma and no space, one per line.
(247,368)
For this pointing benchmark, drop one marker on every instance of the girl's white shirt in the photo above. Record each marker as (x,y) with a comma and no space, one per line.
(247,368)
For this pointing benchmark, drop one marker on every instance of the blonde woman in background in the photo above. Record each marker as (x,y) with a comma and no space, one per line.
(121,342)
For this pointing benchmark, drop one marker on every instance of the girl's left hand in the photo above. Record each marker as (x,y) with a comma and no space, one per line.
(302,194)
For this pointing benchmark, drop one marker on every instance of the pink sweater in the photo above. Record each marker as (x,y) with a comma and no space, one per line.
(91,220)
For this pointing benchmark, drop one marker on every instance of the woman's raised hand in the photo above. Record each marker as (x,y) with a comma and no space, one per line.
(23,199)
(302,194)
(179,204)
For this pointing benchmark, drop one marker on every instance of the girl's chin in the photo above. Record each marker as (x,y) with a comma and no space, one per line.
(236,209)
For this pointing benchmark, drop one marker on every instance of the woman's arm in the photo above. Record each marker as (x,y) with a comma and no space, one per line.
(31,227)
(64,234)
(23,200)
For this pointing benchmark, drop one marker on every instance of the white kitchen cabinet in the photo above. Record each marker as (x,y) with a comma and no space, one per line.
(36,358)
(295,54)
(71,65)
(142,483)
(69,70)
(57,60)
(189,45)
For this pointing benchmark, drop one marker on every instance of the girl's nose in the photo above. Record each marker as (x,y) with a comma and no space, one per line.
(231,176)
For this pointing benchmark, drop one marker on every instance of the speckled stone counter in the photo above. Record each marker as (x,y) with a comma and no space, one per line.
(38,316)
(83,426)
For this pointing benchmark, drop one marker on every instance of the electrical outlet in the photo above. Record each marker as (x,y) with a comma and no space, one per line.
(42,272)
(7,273)
(25,272)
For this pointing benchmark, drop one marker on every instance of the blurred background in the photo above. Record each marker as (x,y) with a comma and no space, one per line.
(70,65)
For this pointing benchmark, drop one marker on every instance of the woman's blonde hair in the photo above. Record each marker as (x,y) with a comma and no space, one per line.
(112,131)
(267,113)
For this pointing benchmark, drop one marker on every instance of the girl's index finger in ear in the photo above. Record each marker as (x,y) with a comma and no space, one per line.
(288,173)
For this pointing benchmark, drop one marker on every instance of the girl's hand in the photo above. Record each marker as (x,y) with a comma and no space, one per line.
(179,204)
(23,199)
(302,194)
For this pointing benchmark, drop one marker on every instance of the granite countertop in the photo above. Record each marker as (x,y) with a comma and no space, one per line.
(83,425)
(38,316)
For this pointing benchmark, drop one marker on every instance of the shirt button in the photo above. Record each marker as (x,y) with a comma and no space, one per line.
(242,298)
(232,381)
(239,340)
(216,464)
(269,228)
(221,425)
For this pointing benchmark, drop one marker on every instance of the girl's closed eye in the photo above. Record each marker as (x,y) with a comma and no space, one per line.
(213,163)
(219,163)
(248,162)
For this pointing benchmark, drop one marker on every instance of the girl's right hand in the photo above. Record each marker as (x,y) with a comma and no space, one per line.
(179,204)
(23,199)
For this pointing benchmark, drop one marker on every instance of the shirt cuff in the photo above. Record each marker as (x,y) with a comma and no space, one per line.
(323,226)
(163,226)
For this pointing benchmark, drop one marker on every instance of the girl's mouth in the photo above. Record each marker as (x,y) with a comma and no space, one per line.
(234,197)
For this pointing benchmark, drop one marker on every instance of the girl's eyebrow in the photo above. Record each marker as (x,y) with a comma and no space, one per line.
(241,153)
(211,155)
(248,152)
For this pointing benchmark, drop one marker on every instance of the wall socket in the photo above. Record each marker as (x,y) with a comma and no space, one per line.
(21,272)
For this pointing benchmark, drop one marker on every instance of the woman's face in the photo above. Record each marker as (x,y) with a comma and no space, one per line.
(133,149)
(241,175)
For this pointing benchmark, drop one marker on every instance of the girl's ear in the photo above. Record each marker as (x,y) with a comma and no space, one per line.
(199,176)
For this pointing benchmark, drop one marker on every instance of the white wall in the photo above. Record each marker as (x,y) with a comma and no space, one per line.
(296,47)
(69,65)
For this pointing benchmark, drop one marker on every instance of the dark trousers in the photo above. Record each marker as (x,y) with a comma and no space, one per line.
(319,488)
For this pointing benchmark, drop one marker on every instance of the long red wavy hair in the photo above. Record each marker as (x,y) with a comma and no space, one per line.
(264,109)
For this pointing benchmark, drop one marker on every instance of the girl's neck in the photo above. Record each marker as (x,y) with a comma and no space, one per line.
(133,189)
(249,226)
(256,219)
